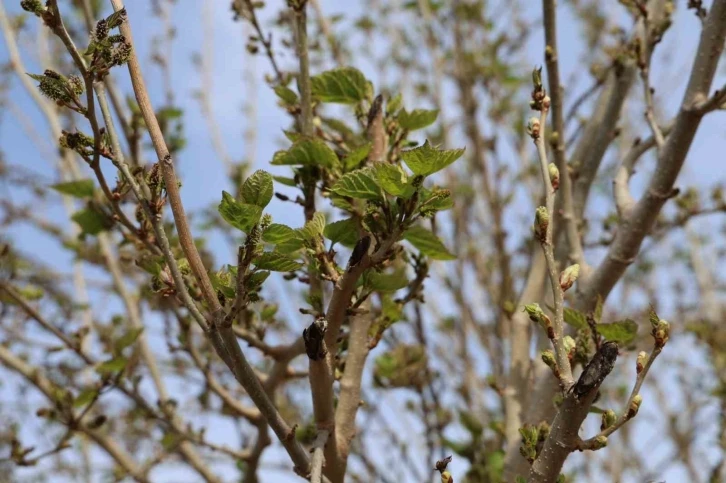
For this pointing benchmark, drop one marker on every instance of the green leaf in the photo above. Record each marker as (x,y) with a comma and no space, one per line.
(91,221)
(257,189)
(278,233)
(313,228)
(116,18)
(345,85)
(385,282)
(287,95)
(359,184)
(436,199)
(394,104)
(575,318)
(170,441)
(126,340)
(255,280)
(622,331)
(394,180)
(277,262)
(242,216)
(307,152)
(82,188)
(425,160)
(427,243)
(117,364)
(356,157)
(285,181)
(85,397)
(417,119)
(344,232)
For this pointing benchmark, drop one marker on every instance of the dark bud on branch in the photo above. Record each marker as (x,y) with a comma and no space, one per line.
(596,370)
(314,338)
(360,251)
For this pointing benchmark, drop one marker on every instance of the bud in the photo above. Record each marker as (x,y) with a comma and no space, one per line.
(570,346)
(541,222)
(548,357)
(446,477)
(546,102)
(534,311)
(600,442)
(554,176)
(640,361)
(569,276)
(635,405)
(608,419)
(661,333)
(533,127)
(537,78)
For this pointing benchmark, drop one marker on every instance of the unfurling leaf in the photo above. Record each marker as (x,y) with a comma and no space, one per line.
(344,232)
(360,184)
(276,262)
(345,85)
(307,152)
(425,160)
(257,189)
(242,216)
(417,119)
(82,188)
(394,180)
(623,331)
(427,243)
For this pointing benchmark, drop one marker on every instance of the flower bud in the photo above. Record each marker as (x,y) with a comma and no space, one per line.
(635,405)
(554,176)
(569,276)
(661,333)
(570,346)
(548,357)
(600,442)
(608,419)
(535,312)
(533,127)
(640,361)
(541,222)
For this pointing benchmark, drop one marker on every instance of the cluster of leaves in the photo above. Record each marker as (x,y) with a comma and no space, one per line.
(378,198)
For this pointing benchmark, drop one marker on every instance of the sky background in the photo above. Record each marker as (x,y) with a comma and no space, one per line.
(204,177)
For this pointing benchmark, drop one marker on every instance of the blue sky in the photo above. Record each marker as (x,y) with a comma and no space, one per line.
(203,174)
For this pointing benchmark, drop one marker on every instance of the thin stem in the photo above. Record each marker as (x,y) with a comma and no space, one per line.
(563,362)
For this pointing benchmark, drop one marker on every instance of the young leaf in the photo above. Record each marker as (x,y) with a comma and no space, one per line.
(425,160)
(385,282)
(85,397)
(345,85)
(285,181)
(394,180)
(360,184)
(623,331)
(126,340)
(278,233)
(287,95)
(242,216)
(83,188)
(313,228)
(257,189)
(344,232)
(307,152)
(575,318)
(117,364)
(427,243)
(276,262)
(417,119)
(356,157)
(91,221)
